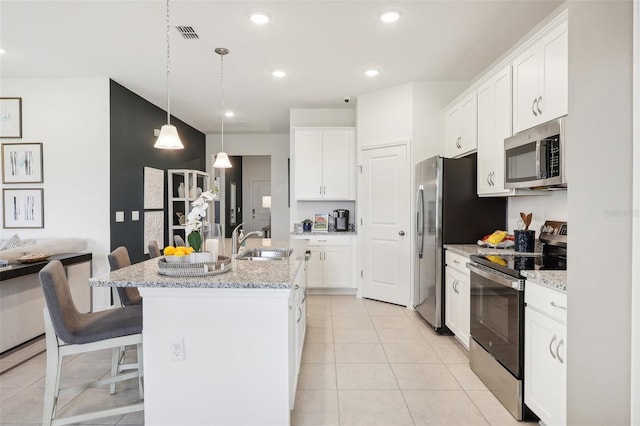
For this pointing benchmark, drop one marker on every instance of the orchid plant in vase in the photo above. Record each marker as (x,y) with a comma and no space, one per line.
(197,218)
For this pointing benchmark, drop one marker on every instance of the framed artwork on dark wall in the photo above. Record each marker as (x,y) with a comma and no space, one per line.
(10,117)
(22,162)
(23,208)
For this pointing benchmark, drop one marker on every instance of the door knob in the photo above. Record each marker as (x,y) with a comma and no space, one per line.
(401,233)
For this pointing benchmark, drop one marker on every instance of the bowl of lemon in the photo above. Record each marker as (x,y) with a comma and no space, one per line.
(177,254)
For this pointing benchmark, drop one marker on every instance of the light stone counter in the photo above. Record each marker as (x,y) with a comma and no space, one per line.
(473,249)
(277,274)
(552,279)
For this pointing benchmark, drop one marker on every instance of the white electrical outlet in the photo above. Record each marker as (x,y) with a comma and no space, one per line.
(177,350)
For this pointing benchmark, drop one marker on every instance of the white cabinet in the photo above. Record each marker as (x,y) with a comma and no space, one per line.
(540,80)
(494,125)
(297,327)
(184,186)
(324,163)
(462,127)
(457,297)
(332,261)
(545,353)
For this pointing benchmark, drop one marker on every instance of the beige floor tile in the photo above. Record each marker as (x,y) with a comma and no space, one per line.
(410,353)
(318,353)
(99,399)
(492,409)
(319,321)
(389,321)
(373,407)
(25,375)
(466,377)
(348,310)
(451,408)
(6,393)
(132,419)
(347,321)
(319,310)
(451,352)
(318,299)
(424,377)
(317,376)
(365,376)
(318,335)
(24,407)
(384,309)
(360,353)
(315,407)
(355,335)
(346,300)
(400,335)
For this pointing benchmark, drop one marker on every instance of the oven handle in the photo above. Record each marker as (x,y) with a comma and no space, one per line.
(496,277)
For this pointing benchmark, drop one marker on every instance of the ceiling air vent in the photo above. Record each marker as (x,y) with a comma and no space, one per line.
(187,32)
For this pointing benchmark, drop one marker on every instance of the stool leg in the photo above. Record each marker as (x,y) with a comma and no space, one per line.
(52,378)
(140,370)
(116,353)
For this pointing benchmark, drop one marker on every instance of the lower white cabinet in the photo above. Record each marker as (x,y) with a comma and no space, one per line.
(331,264)
(297,327)
(457,297)
(545,373)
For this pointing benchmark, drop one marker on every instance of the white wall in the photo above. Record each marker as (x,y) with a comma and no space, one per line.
(276,146)
(552,206)
(254,168)
(71,119)
(316,117)
(599,211)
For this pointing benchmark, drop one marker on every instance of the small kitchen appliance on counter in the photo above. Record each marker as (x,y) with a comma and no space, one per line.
(341,220)
(496,349)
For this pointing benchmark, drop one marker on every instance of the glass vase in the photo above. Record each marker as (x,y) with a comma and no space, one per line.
(214,241)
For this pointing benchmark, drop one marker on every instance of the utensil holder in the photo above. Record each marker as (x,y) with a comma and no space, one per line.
(524,241)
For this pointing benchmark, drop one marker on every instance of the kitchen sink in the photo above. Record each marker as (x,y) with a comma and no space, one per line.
(265,254)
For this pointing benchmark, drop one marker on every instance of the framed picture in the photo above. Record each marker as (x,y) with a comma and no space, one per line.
(23,208)
(22,162)
(320,222)
(10,117)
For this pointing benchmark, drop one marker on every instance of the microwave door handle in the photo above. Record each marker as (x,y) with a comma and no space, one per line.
(420,221)
(538,174)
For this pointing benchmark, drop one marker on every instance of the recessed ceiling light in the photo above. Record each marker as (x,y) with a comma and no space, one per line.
(229,114)
(371,73)
(259,18)
(279,73)
(390,16)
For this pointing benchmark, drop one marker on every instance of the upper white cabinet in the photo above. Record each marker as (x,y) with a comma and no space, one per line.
(462,127)
(494,125)
(540,80)
(325,164)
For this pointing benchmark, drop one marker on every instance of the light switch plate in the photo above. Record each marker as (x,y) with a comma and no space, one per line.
(135,215)
(119,216)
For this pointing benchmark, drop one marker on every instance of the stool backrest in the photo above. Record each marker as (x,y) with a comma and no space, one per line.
(178,240)
(154,250)
(63,312)
(119,258)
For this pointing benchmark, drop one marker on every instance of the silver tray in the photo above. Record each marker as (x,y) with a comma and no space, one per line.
(201,269)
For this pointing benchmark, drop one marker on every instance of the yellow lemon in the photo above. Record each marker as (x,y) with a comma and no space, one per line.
(179,253)
(190,249)
(169,250)
(183,248)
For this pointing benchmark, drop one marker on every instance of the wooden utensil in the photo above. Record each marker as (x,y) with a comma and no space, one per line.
(526,219)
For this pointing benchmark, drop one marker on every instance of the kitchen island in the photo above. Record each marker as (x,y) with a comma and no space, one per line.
(222,349)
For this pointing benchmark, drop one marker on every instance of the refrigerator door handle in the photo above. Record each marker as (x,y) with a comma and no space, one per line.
(420,221)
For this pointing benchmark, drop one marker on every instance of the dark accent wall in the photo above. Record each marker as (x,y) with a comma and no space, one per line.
(132,122)
(234,174)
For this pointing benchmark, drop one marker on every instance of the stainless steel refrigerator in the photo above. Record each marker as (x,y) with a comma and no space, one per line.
(448,211)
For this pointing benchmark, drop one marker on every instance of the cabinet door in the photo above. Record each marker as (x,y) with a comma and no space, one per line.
(486,137)
(314,267)
(464,309)
(452,303)
(555,82)
(337,266)
(503,128)
(526,89)
(542,368)
(469,129)
(338,164)
(308,164)
(453,129)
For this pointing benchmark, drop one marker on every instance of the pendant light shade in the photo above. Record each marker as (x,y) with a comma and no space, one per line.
(168,138)
(222,159)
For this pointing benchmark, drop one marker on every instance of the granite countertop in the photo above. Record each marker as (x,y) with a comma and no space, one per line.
(248,274)
(553,279)
(470,249)
(317,233)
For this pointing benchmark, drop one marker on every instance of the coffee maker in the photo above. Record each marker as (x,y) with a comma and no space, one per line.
(341,220)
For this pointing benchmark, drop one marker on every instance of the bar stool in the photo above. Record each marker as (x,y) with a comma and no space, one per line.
(179,240)
(70,332)
(119,258)
(154,250)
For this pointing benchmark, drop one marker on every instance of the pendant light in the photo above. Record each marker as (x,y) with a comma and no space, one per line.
(168,138)
(222,159)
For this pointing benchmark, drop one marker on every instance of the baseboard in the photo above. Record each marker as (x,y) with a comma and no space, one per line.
(16,356)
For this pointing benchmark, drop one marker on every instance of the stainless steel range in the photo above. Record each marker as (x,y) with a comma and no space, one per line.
(496,350)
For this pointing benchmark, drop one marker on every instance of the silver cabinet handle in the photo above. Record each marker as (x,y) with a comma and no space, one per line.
(533,106)
(401,233)
(320,189)
(538,105)
(551,349)
(324,190)
(557,351)
(455,286)
(492,176)
(489,178)
(459,142)
(455,261)
(555,305)
(299,314)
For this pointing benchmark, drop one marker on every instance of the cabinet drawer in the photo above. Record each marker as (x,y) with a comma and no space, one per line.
(545,300)
(324,240)
(457,262)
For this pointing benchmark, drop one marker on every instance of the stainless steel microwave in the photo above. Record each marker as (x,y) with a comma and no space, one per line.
(535,158)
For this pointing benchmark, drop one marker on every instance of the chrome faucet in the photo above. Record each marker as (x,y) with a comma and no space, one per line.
(238,241)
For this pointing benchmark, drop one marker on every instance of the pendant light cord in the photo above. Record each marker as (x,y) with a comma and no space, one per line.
(222,101)
(168,62)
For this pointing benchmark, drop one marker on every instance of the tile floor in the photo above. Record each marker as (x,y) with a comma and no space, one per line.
(364,363)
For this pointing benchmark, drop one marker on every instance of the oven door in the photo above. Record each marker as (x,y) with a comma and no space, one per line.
(497,316)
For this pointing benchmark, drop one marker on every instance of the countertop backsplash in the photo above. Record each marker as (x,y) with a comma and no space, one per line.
(550,206)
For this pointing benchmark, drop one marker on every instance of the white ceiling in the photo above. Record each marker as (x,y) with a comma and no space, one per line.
(325,46)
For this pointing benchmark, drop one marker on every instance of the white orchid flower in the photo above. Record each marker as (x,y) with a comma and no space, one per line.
(208,195)
(198,202)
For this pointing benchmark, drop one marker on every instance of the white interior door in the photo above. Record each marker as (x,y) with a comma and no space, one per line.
(259,215)
(385,203)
